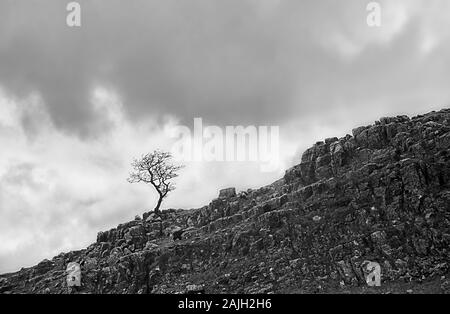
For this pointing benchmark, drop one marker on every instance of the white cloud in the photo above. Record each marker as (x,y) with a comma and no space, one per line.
(355,35)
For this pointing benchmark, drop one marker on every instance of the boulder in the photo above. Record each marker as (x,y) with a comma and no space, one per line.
(227,193)
(195,289)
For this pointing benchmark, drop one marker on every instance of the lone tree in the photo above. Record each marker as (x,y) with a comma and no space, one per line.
(158,170)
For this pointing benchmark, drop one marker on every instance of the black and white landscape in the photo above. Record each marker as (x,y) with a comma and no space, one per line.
(224,146)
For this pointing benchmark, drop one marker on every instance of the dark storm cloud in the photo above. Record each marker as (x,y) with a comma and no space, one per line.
(227,61)
(214,59)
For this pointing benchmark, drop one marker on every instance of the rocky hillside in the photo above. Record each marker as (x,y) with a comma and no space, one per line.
(381,194)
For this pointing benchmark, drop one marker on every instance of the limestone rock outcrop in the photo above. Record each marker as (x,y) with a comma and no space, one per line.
(381,194)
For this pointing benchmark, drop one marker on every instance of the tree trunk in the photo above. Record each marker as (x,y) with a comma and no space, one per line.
(158,204)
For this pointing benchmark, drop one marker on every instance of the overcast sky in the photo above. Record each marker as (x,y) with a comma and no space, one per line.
(77,104)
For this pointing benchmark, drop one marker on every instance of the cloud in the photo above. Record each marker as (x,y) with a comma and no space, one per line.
(230,61)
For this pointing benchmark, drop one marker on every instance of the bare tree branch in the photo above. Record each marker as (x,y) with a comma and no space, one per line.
(156,169)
